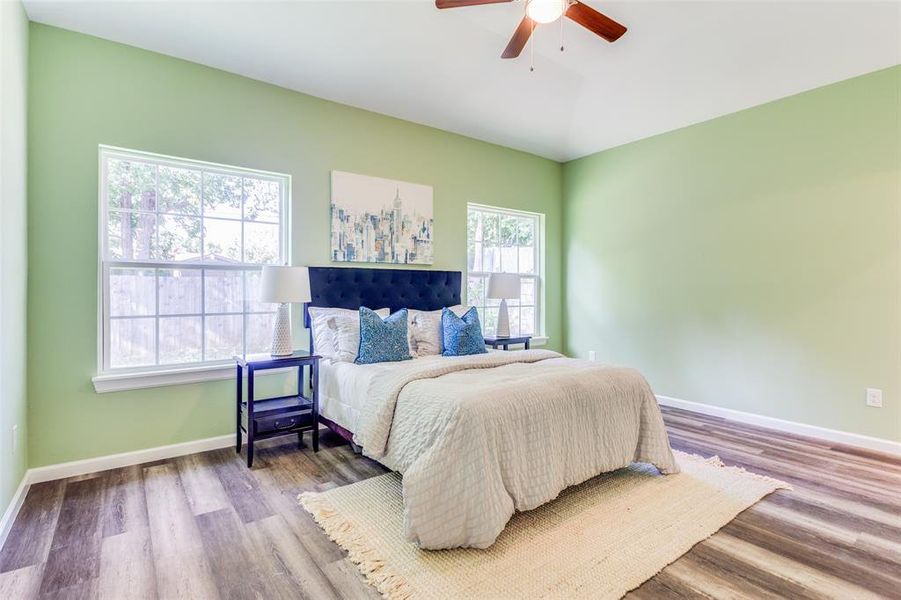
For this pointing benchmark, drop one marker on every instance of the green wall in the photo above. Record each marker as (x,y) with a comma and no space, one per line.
(751,262)
(86,91)
(13,244)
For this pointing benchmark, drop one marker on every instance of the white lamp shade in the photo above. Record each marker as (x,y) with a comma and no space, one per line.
(504,286)
(285,284)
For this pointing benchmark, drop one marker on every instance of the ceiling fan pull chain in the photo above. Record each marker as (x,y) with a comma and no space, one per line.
(532,47)
(561,35)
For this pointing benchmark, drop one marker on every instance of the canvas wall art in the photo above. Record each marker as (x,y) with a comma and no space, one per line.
(378,220)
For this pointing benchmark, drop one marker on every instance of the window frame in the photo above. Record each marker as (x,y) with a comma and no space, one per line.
(538,260)
(115,378)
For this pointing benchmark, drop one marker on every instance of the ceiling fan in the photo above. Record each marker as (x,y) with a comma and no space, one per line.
(548,11)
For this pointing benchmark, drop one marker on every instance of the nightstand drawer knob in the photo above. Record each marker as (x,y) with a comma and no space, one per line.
(285,423)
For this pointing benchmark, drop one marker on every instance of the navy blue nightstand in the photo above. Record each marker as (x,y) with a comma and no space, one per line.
(504,343)
(271,417)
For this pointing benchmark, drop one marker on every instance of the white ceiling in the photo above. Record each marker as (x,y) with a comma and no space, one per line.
(680,62)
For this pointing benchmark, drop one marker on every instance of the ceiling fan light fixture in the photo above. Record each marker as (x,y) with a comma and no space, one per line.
(545,11)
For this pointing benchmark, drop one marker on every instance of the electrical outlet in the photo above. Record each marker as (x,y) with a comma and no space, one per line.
(874,397)
(15,437)
(592,355)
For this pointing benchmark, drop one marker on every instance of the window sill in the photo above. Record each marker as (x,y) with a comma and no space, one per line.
(539,340)
(121,382)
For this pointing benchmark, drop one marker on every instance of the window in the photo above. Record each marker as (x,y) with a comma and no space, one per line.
(182,245)
(504,241)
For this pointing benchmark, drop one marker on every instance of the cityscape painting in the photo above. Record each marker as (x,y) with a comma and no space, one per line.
(378,220)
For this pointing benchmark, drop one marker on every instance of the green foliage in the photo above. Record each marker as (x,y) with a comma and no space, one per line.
(179,237)
(490,230)
(499,230)
(221,195)
(176,230)
(179,190)
(261,200)
(131,185)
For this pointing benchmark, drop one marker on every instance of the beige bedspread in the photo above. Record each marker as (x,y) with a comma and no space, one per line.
(479,437)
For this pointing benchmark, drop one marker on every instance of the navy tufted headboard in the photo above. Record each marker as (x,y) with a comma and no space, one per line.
(351,287)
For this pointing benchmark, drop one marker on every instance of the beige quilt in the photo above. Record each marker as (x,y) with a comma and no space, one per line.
(479,437)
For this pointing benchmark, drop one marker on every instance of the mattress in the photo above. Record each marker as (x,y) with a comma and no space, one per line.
(343,389)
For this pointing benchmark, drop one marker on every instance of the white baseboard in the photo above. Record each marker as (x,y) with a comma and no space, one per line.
(831,435)
(125,459)
(12,511)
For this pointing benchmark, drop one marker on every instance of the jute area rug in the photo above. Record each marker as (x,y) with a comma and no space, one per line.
(598,539)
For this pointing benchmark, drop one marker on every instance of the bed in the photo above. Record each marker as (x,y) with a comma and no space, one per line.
(479,437)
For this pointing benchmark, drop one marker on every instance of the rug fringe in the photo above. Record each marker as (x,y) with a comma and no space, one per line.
(343,532)
(716,461)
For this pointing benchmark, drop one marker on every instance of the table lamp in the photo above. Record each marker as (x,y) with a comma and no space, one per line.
(504,286)
(283,285)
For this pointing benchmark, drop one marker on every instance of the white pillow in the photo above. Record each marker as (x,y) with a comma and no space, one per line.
(425,330)
(346,331)
(323,335)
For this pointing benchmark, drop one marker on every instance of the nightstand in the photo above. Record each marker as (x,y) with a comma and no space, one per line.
(504,343)
(271,417)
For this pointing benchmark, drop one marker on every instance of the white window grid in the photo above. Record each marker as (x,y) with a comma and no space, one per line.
(533,278)
(107,263)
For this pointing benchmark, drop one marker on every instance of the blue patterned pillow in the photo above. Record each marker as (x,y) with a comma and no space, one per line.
(461,336)
(382,340)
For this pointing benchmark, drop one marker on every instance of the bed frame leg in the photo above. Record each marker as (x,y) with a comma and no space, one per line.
(344,433)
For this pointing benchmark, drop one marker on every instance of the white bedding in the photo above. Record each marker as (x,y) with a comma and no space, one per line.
(478,437)
(343,388)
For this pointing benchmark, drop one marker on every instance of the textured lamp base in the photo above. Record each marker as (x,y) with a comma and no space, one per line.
(503,321)
(281,333)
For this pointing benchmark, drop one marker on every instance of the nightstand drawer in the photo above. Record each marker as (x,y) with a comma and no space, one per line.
(284,422)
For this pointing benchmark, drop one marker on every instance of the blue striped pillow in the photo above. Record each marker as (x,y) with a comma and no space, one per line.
(382,340)
(461,336)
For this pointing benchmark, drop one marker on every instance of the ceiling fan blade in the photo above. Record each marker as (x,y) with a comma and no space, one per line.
(596,22)
(519,39)
(459,3)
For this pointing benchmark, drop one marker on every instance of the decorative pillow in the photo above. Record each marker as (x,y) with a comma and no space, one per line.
(461,336)
(425,330)
(323,333)
(345,329)
(323,338)
(382,340)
